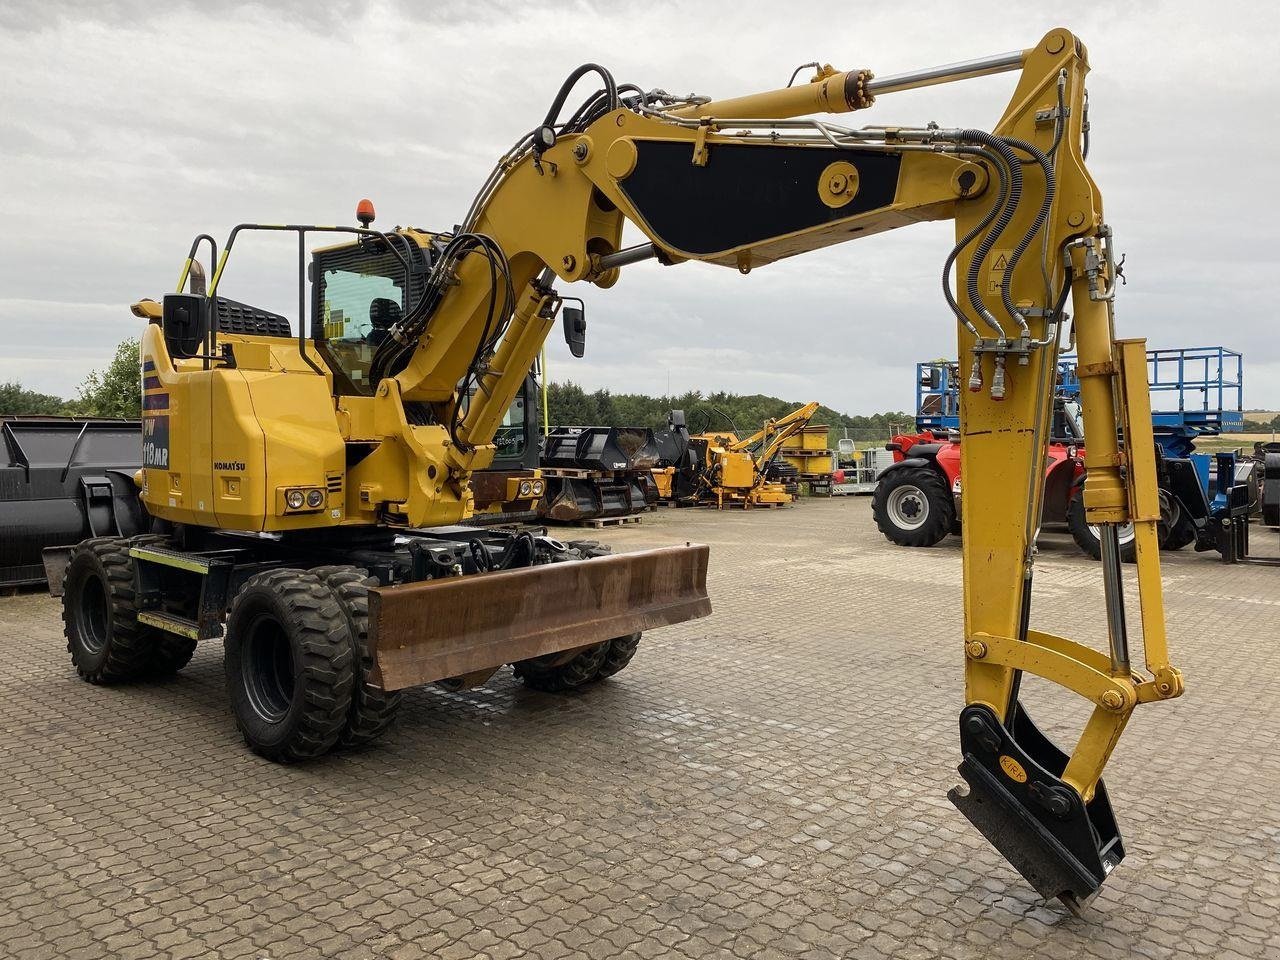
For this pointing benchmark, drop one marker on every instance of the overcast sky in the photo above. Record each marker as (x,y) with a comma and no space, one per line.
(129,127)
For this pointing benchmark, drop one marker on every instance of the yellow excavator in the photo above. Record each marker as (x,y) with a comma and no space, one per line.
(305,473)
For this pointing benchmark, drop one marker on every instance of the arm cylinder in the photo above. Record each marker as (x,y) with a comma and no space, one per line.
(838,93)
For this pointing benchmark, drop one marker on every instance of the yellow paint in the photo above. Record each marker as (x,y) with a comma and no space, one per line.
(278,417)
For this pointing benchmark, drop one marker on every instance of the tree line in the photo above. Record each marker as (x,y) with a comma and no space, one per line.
(570,405)
(114,391)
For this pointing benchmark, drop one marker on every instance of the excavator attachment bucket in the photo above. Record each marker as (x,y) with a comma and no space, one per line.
(1064,847)
(456,626)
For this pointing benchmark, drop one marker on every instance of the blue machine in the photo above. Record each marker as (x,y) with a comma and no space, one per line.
(1195,392)
(937,395)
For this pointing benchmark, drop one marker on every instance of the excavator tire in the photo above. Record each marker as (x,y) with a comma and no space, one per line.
(1087,539)
(373,710)
(912,507)
(618,655)
(289,665)
(172,653)
(557,674)
(100,616)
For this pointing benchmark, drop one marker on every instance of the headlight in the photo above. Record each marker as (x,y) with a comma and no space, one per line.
(537,488)
(294,499)
(315,498)
(526,488)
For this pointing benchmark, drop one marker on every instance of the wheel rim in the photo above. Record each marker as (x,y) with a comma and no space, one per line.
(1124,533)
(94,615)
(267,668)
(908,507)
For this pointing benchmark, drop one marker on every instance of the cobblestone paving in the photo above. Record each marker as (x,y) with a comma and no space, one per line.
(767,783)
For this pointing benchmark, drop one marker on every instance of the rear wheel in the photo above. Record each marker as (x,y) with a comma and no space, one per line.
(289,665)
(620,653)
(100,615)
(1086,535)
(373,710)
(913,507)
(562,672)
(172,653)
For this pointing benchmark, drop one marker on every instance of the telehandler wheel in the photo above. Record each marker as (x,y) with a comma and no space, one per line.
(559,672)
(1176,531)
(913,507)
(104,638)
(620,653)
(1181,535)
(289,665)
(1086,534)
(373,709)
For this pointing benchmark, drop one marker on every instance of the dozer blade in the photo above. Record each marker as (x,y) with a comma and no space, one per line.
(1064,847)
(437,629)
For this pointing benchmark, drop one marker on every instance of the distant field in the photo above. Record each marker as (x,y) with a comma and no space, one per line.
(1230,441)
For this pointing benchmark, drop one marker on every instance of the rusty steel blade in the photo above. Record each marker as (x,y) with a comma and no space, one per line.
(421,632)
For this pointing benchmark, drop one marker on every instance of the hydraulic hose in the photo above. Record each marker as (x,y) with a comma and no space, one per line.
(610,90)
(1005,217)
(1037,225)
(972,234)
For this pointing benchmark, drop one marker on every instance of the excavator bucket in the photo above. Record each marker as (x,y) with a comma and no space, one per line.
(593,473)
(570,499)
(452,627)
(1062,846)
(600,448)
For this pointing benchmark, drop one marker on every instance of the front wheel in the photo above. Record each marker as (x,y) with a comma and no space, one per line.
(100,614)
(1087,535)
(289,665)
(373,710)
(913,507)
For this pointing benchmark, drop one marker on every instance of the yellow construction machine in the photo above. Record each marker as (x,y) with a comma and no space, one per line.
(305,471)
(745,472)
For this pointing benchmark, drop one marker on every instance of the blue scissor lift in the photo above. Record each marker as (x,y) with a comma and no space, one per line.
(1195,392)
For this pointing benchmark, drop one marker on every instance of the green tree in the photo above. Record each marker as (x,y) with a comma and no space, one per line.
(15,400)
(115,391)
(570,405)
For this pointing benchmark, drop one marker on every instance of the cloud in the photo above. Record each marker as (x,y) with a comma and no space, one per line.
(129,127)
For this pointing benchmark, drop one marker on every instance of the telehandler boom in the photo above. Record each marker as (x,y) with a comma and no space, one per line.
(306,481)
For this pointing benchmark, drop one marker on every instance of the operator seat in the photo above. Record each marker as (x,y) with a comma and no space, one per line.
(384,313)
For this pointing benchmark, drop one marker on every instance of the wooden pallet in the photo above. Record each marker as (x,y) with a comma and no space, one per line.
(599,523)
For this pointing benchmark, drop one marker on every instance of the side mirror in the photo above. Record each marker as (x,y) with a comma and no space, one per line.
(575,328)
(185,321)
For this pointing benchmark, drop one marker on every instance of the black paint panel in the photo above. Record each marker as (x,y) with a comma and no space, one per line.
(746,194)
